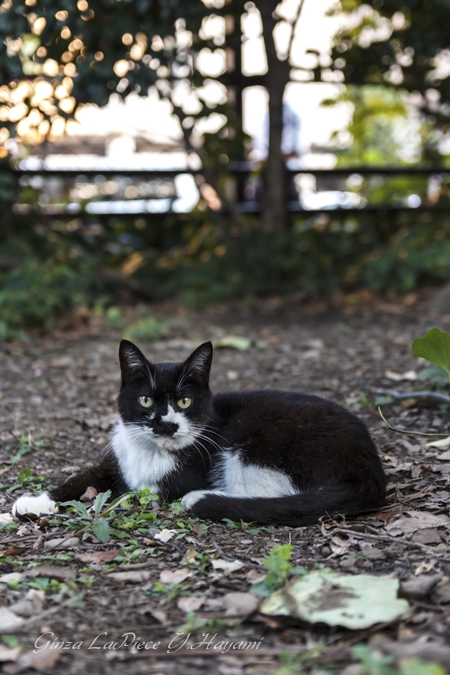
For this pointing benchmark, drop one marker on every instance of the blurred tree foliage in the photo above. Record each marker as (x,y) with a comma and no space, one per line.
(57,55)
(404,44)
(60,54)
(376,133)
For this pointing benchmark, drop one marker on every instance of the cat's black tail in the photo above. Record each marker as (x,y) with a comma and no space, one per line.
(294,510)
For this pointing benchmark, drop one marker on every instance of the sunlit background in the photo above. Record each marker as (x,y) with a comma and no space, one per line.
(150,144)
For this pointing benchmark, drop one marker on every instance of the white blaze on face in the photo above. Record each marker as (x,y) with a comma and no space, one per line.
(174,417)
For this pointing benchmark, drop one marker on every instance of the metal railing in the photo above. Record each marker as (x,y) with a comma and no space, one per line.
(242,172)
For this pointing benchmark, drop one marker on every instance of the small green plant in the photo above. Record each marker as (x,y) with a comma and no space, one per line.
(114,316)
(150,328)
(33,295)
(279,565)
(106,521)
(167,591)
(373,662)
(22,446)
(98,524)
(434,347)
(434,375)
(25,478)
(11,641)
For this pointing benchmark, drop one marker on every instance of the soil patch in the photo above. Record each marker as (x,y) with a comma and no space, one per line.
(58,396)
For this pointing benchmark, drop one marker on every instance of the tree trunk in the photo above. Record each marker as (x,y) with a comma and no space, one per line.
(274,211)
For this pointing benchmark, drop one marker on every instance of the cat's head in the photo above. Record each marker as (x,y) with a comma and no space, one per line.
(165,403)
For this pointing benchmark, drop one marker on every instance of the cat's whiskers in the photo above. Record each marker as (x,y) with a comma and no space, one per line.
(201,455)
(181,380)
(200,434)
(214,431)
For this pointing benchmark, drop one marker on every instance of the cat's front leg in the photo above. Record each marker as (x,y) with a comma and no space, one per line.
(105,476)
(191,498)
(37,505)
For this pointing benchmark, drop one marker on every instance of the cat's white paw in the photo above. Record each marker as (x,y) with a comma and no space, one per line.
(37,505)
(193,497)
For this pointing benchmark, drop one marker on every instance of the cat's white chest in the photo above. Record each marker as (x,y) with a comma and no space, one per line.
(142,463)
(248,480)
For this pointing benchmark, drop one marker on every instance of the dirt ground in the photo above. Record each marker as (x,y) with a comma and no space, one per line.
(57,396)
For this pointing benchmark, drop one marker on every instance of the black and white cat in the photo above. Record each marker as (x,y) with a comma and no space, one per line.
(265,456)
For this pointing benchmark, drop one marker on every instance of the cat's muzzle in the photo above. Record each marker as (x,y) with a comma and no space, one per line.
(165,428)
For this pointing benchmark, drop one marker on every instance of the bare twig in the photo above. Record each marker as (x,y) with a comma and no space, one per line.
(43,615)
(405,431)
(386,538)
(429,395)
(225,555)
(294,24)
(209,177)
(165,543)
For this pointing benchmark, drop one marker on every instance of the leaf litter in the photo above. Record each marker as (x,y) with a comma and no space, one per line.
(154,570)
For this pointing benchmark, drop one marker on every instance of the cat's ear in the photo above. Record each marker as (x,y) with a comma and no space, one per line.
(132,360)
(198,364)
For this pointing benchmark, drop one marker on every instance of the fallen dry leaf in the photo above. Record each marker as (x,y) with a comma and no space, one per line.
(254,577)
(132,577)
(189,556)
(15,550)
(240,604)
(213,605)
(61,543)
(353,601)
(197,528)
(410,375)
(425,567)
(418,588)
(165,535)
(158,614)
(98,556)
(89,494)
(371,552)
(41,660)
(54,571)
(190,603)
(426,650)
(9,621)
(174,576)
(61,361)
(7,654)
(441,594)
(427,535)
(30,605)
(6,518)
(12,576)
(417,520)
(226,565)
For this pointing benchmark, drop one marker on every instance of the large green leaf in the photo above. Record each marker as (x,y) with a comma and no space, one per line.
(101,530)
(435,347)
(353,601)
(79,507)
(100,501)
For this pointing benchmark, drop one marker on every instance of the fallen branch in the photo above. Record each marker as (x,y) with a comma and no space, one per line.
(43,615)
(385,538)
(231,558)
(429,395)
(405,431)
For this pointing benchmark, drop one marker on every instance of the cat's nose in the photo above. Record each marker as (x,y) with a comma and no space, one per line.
(165,428)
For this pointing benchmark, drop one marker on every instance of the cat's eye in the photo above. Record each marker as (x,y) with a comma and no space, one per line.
(184,403)
(146,401)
